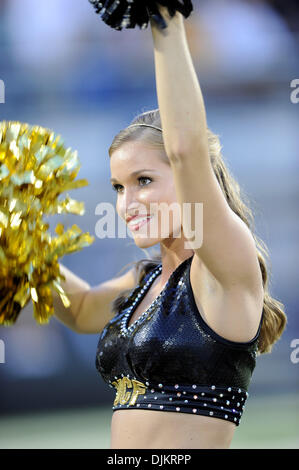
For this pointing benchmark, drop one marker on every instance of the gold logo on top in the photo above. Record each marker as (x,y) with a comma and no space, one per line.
(127,390)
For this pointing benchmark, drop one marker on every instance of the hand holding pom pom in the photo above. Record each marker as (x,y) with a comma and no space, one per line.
(121,14)
(35,168)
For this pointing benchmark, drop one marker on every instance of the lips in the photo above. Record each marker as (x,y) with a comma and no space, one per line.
(138,220)
(133,217)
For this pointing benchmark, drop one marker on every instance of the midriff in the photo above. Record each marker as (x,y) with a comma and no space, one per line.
(151,429)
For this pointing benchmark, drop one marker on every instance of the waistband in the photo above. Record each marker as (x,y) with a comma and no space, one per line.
(222,402)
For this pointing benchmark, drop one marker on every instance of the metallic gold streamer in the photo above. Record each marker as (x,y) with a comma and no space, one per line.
(35,168)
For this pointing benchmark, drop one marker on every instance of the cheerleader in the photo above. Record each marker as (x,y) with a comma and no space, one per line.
(180,333)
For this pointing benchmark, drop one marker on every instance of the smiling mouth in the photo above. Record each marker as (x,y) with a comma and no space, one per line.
(138,222)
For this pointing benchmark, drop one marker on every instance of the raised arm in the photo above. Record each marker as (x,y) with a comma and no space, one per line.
(228,249)
(179,94)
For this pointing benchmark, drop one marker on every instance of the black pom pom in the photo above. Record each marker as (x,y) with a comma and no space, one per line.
(121,14)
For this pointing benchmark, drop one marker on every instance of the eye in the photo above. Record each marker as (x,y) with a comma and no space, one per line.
(144,178)
(116,186)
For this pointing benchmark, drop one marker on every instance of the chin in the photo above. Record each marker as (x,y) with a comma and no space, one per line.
(143,242)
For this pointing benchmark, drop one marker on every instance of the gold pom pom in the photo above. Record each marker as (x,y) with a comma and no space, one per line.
(35,168)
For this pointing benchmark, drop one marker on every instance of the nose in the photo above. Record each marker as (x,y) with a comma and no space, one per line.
(129,204)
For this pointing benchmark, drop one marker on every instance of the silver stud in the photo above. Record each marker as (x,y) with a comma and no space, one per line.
(195,397)
(160,385)
(193,386)
(149,405)
(176,386)
(229,389)
(227,402)
(178,408)
(202,394)
(214,399)
(211,413)
(213,387)
(185,401)
(170,399)
(194,410)
(226,416)
(161,407)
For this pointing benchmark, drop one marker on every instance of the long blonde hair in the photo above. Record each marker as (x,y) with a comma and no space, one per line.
(274,317)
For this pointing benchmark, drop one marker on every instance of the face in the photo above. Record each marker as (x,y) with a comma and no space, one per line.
(144,184)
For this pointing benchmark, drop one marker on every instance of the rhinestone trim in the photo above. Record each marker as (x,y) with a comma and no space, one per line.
(195,404)
(124,328)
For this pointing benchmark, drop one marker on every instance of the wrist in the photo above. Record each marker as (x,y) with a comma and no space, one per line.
(173,22)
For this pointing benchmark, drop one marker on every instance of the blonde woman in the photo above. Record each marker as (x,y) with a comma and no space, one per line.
(179,334)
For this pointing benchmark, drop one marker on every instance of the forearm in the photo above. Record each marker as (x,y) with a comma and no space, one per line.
(75,289)
(179,94)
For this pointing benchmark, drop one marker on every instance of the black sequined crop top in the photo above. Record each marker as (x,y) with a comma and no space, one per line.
(169,359)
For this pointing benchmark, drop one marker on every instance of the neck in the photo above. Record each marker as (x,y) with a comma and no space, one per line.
(171,258)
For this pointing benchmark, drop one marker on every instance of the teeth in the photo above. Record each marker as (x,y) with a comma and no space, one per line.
(137,220)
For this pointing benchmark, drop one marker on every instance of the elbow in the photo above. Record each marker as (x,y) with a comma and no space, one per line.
(193,147)
(79,316)
(177,154)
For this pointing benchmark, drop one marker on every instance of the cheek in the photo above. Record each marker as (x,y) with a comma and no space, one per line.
(172,191)
(152,193)
(165,196)
(164,192)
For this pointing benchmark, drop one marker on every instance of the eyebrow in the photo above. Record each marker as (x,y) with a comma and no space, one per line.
(112,180)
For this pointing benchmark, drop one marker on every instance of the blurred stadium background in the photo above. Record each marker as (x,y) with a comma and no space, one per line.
(64,69)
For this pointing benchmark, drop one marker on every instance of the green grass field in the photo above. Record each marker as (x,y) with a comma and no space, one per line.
(266,424)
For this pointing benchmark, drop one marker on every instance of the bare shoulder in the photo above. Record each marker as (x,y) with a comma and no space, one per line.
(232,312)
